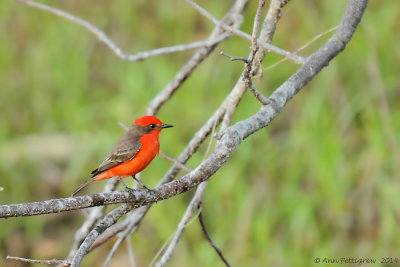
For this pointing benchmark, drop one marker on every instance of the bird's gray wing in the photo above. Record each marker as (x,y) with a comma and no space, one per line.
(125,149)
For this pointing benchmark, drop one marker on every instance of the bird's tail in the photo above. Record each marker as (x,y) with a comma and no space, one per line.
(88,181)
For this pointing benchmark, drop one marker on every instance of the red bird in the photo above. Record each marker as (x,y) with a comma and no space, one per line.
(132,153)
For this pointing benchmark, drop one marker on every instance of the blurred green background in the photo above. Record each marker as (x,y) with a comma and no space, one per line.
(321,181)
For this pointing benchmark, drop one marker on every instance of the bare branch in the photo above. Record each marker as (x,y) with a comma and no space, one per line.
(271,20)
(48,262)
(130,252)
(256,26)
(133,219)
(113,46)
(267,32)
(182,166)
(93,217)
(249,62)
(209,240)
(258,95)
(245,78)
(233,17)
(127,232)
(123,126)
(192,207)
(317,37)
(296,58)
(181,76)
(231,58)
(106,222)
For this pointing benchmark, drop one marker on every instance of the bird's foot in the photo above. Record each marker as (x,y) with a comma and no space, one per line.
(126,187)
(139,182)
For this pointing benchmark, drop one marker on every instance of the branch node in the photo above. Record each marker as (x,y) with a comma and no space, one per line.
(219,135)
(340,38)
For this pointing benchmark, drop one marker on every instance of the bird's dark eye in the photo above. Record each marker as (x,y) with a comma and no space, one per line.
(152,126)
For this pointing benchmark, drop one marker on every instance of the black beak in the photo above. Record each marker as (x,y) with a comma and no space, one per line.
(166,126)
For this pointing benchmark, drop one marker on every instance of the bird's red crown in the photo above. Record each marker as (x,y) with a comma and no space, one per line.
(147,120)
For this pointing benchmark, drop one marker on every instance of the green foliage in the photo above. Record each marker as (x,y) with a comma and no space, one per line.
(320,181)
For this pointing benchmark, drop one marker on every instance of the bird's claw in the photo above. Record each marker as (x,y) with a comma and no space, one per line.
(126,187)
(140,183)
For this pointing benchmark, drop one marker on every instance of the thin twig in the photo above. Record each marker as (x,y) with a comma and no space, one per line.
(209,240)
(231,104)
(157,255)
(267,32)
(256,26)
(231,58)
(161,249)
(126,128)
(111,44)
(302,47)
(181,165)
(183,223)
(127,232)
(296,58)
(208,149)
(257,94)
(249,63)
(129,247)
(48,262)
(317,37)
